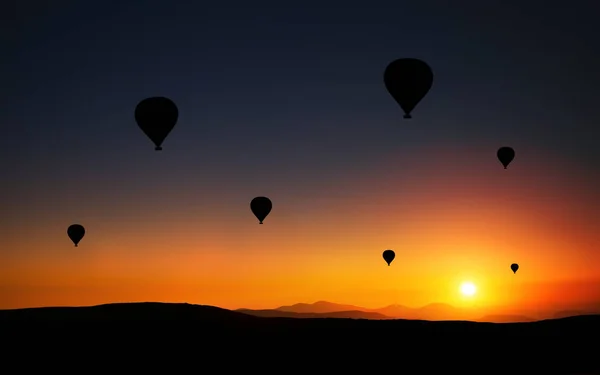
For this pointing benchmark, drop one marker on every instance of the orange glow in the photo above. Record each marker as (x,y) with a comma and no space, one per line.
(448,220)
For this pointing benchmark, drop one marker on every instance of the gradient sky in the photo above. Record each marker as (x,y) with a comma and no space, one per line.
(287,101)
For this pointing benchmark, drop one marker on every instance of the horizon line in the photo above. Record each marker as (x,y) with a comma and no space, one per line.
(591,305)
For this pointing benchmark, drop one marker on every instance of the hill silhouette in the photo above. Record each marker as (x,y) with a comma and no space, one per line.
(228,339)
(274,313)
(397,311)
(319,307)
(434,311)
(123,311)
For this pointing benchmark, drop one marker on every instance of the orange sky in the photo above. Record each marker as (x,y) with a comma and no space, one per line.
(448,219)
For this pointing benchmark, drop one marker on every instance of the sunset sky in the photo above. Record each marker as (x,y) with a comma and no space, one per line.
(288,101)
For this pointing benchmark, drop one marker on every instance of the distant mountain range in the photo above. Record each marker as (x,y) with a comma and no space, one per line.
(352,314)
(321,309)
(434,311)
(324,309)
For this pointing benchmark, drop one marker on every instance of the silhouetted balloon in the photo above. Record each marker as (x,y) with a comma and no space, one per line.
(388,256)
(506,155)
(408,81)
(514,267)
(76,233)
(261,206)
(156,117)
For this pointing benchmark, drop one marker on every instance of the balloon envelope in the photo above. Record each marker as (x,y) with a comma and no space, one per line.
(76,233)
(388,256)
(156,117)
(514,267)
(408,81)
(505,155)
(261,207)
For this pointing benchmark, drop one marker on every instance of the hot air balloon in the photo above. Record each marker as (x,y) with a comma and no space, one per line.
(514,267)
(388,256)
(261,206)
(156,117)
(506,155)
(76,233)
(408,81)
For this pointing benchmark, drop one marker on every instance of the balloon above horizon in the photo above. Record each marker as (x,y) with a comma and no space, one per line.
(156,117)
(261,207)
(505,155)
(76,233)
(388,256)
(408,80)
(514,267)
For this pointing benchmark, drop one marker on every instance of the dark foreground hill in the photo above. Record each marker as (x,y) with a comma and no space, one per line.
(211,340)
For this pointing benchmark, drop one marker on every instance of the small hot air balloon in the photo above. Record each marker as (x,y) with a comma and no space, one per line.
(76,233)
(156,117)
(408,81)
(506,155)
(261,207)
(514,267)
(388,256)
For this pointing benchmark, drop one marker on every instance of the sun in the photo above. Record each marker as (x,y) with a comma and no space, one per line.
(468,289)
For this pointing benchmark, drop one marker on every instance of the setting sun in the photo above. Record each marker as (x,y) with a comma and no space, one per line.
(467,289)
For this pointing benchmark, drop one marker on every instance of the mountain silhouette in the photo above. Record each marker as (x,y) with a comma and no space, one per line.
(234,340)
(319,307)
(276,313)
(434,311)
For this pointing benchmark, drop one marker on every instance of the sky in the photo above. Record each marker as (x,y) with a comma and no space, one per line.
(286,100)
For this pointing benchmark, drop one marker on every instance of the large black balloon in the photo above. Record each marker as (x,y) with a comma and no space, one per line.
(505,155)
(261,207)
(156,117)
(408,81)
(76,233)
(514,267)
(388,256)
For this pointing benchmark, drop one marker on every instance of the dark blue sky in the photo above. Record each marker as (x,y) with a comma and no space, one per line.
(279,96)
